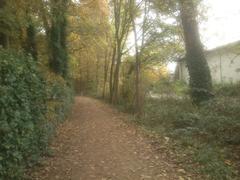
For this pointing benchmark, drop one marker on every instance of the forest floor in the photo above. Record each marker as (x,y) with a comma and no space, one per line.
(99,142)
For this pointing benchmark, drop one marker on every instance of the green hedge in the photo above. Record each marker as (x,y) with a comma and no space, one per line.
(23,106)
(31,104)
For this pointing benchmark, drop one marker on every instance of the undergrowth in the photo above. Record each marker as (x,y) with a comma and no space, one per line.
(209,133)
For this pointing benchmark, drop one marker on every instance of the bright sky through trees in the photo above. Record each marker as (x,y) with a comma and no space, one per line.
(222,25)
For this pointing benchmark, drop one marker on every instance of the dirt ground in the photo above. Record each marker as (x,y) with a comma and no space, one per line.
(97,143)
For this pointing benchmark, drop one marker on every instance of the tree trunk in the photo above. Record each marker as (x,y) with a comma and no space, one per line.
(97,74)
(200,77)
(58,58)
(122,26)
(138,107)
(111,73)
(4,42)
(116,76)
(31,45)
(3,37)
(106,67)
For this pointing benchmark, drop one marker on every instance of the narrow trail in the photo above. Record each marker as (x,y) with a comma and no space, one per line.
(97,143)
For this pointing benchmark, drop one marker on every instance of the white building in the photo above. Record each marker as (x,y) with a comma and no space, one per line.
(224,64)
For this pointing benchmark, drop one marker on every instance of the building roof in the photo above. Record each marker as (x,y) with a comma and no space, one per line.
(225,47)
(229,46)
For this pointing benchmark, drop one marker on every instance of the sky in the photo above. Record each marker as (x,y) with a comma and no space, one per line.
(222,25)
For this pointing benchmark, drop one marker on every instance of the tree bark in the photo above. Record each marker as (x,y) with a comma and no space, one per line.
(4,41)
(122,25)
(97,73)
(200,77)
(106,67)
(31,44)
(59,57)
(138,107)
(111,73)
(116,76)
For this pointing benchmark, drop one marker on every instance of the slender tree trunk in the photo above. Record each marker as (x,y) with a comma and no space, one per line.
(97,74)
(87,76)
(58,58)
(31,45)
(116,75)
(122,25)
(106,67)
(138,52)
(200,77)
(4,41)
(111,73)
(63,35)
(138,107)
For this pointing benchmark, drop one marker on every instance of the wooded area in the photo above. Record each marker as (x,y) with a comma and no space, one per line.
(117,50)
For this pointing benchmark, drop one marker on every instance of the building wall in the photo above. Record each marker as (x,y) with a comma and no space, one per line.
(224,67)
(183,72)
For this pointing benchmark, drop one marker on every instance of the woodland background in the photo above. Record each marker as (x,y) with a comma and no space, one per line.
(117,51)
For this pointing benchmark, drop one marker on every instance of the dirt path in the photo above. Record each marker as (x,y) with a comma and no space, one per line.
(96,143)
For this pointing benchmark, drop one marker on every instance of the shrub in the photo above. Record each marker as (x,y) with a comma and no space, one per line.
(231,90)
(31,105)
(220,118)
(60,97)
(166,86)
(22,118)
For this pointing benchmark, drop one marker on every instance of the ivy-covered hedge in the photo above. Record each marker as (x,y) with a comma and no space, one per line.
(31,104)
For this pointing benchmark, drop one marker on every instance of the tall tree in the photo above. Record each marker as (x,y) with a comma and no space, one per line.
(140,32)
(200,77)
(31,44)
(107,57)
(122,24)
(57,40)
(3,35)
(138,108)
